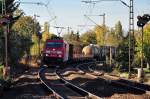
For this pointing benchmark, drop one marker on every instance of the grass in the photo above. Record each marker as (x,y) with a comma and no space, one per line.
(124,74)
(147,74)
(1,71)
(146,70)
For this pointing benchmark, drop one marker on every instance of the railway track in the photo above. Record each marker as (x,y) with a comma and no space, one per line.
(61,88)
(126,82)
(101,85)
(130,85)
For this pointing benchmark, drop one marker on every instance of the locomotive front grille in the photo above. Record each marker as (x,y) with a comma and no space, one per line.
(52,59)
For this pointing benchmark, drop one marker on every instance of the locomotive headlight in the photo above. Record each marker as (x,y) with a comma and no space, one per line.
(59,52)
(47,51)
(59,55)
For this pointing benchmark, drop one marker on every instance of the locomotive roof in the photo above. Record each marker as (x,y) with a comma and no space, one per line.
(56,40)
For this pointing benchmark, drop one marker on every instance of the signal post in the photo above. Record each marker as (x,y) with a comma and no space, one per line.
(142,21)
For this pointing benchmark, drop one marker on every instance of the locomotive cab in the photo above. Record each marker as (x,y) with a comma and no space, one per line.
(55,51)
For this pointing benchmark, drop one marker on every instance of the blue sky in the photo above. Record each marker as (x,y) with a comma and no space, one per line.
(71,12)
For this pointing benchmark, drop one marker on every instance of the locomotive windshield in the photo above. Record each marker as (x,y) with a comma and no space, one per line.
(54,44)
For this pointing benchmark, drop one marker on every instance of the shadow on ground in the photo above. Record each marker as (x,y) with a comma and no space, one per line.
(106,88)
(26,83)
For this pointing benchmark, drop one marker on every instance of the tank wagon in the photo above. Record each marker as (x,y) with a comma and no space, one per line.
(99,52)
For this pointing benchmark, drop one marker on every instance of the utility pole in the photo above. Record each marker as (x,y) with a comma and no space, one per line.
(68,29)
(39,43)
(104,25)
(78,35)
(110,56)
(142,56)
(131,35)
(104,19)
(49,25)
(6,70)
(34,28)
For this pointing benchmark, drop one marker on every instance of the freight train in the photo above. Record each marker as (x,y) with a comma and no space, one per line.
(60,51)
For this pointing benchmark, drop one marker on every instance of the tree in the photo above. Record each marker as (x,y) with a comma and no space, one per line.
(10,8)
(146,45)
(24,26)
(72,38)
(111,39)
(88,37)
(122,55)
(114,36)
(118,30)
(27,28)
(46,33)
(100,34)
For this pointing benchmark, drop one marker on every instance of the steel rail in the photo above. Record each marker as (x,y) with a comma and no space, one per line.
(121,83)
(90,95)
(54,92)
(71,86)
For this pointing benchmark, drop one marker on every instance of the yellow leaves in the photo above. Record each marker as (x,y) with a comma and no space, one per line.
(146,35)
(34,38)
(45,36)
(23,21)
(24,26)
(100,34)
(147,27)
(88,37)
(111,40)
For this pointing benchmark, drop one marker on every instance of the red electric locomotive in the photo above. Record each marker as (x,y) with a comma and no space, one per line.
(55,51)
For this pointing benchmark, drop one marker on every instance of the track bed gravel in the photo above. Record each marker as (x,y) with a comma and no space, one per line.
(102,88)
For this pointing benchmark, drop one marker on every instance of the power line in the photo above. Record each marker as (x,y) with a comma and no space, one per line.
(39,4)
(103,15)
(91,5)
(92,21)
(91,1)
(59,29)
(85,25)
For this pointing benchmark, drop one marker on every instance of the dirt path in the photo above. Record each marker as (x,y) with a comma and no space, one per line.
(25,86)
